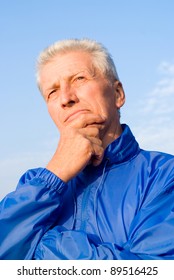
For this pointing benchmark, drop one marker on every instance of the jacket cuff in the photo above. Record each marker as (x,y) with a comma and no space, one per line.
(53,181)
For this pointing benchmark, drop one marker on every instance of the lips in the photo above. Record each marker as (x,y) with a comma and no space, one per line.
(75,114)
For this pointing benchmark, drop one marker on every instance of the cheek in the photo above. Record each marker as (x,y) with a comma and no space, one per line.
(106,103)
(93,96)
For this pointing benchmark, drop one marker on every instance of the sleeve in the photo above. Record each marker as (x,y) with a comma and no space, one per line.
(151,236)
(63,244)
(152,230)
(27,213)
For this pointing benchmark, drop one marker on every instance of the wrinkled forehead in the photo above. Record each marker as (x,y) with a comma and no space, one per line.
(63,66)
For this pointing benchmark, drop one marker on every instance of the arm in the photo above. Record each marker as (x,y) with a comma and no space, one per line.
(151,236)
(152,230)
(27,213)
(78,245)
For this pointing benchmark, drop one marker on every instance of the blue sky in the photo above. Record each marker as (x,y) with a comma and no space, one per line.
(138,34)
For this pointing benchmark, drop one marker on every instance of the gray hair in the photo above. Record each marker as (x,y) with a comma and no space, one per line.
(102,60)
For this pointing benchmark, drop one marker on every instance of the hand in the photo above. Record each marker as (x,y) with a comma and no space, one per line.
(79,145)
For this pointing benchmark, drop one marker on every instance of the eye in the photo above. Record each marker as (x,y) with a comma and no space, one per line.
(51,94)
(79,78)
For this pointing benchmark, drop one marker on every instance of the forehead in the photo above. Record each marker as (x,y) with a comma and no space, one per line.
(64,65)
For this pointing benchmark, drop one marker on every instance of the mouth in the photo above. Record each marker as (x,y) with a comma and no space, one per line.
(75,114)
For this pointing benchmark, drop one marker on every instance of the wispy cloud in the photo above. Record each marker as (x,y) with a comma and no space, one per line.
(155,130)
(166,68)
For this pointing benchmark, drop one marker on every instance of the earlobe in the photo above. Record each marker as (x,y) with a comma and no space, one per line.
(119,94)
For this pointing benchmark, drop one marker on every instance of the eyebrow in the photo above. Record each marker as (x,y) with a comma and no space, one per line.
(56,84)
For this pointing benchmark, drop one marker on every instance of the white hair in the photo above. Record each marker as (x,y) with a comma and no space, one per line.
(102,60)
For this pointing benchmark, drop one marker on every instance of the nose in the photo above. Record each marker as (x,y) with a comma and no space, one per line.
(68,96)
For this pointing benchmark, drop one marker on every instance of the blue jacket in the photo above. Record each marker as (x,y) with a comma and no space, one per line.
(122,209)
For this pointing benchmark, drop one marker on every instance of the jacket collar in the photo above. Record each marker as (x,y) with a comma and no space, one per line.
(123,148)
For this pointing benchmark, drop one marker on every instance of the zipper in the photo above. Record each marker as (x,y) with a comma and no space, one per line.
(85,199)
(84,215)
(95,197)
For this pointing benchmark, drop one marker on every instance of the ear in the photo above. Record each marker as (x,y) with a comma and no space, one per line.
(119,94)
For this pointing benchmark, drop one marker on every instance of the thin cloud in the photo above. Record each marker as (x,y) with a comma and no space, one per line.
(166,68)
(156,112)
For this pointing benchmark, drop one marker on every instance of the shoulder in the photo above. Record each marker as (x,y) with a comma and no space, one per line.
(157,159)
(159,170)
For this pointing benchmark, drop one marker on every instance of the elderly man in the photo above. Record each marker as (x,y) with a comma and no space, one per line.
(100,196)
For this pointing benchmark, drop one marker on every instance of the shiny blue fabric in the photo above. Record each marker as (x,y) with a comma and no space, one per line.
(122,209)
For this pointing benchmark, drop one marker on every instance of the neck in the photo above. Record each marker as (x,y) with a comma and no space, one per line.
(112,135)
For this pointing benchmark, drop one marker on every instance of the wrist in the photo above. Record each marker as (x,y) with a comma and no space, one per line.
(58,171)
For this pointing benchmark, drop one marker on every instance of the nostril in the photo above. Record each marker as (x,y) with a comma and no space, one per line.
(68,104)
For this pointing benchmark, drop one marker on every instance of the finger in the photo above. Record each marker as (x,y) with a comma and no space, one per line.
(97,156)
(95,141)
(85,120)
(90,131)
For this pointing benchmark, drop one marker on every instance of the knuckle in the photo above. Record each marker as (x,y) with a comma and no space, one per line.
(87,144)
(82,120)
(96,132)
(100,143)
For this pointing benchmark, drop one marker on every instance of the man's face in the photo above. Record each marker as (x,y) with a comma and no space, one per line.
(72,86)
